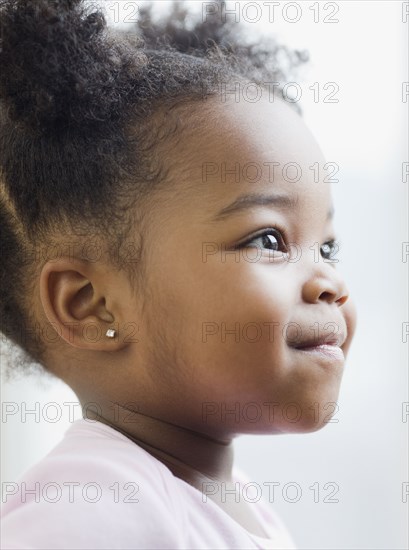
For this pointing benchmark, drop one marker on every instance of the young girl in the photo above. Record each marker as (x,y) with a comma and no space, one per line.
(169,254)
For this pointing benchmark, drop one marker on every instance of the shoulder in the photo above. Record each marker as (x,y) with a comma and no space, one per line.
(95,489)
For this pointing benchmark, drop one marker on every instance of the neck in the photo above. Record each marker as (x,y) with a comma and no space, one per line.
(192,456)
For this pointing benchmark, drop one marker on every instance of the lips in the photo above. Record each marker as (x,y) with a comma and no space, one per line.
(324,352)
(326,339)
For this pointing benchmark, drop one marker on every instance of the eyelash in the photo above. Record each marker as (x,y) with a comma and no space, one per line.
(333,243)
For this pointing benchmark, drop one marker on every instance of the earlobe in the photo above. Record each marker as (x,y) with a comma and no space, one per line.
(75,306)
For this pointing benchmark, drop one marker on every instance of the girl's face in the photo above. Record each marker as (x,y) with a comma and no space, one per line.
(222,311)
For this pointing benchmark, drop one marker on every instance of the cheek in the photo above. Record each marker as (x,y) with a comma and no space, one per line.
(350,316)
(231,325)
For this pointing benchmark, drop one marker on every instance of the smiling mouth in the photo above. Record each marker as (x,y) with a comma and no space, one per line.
(331,351)
(329,339)
(326,346)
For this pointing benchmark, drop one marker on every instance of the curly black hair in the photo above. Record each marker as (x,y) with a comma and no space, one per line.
(81,116)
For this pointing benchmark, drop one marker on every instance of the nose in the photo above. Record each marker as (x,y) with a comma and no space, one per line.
(325,284)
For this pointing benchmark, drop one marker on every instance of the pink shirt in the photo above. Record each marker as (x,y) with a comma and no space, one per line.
(97,489)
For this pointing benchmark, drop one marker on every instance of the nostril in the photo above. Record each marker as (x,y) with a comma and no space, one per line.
(327,297)
(331,297)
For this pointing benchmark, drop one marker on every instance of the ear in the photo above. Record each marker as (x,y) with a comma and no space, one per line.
(73,294)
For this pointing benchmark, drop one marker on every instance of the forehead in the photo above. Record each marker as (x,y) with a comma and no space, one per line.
(225,149)
(262,130)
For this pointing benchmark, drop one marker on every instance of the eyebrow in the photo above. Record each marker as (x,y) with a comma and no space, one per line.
(252,201)
(255,200)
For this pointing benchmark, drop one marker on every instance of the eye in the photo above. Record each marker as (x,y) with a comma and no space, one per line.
(268,239)
(329,250)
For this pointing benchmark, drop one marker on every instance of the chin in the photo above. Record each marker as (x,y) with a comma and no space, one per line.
(305,411)
(313,413)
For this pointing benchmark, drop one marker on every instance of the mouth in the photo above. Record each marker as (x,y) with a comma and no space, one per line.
(325,346)
(330,351)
